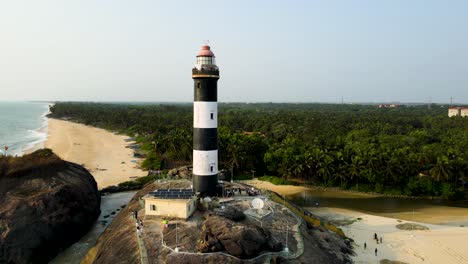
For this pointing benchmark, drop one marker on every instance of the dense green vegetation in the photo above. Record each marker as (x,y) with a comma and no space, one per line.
(408,150)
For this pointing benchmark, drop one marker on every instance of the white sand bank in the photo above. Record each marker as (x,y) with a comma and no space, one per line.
(439,244)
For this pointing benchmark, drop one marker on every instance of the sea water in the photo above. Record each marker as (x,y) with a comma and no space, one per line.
(23,126)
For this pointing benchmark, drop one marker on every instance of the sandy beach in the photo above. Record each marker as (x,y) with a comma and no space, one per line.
(440,244)
(103,153)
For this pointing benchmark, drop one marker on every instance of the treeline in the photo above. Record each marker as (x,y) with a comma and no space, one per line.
(408,150)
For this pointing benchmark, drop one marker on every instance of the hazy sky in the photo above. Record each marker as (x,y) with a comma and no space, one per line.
(280,51)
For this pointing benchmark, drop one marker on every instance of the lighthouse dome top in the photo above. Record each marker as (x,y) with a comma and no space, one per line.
(205,52)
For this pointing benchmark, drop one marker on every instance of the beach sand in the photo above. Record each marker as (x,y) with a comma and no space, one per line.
(280,189)
(103,153)
(440,244)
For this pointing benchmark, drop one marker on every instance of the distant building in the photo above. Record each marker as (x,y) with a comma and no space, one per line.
(389,105)
(178,203)
(458,111)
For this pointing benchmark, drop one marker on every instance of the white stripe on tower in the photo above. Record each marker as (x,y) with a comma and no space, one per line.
(205,114)
(206,162)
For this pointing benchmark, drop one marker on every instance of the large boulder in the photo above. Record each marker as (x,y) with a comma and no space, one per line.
(230,213)
(183,172)
(46,205)
(237,239)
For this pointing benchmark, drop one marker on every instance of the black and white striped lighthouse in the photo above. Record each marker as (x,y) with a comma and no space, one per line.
(205,75)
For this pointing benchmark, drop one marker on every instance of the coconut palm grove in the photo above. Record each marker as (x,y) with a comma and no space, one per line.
(408,150)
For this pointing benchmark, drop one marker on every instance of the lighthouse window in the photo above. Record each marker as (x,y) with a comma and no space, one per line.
(211,168)
(211,116)
(198,85)
(153,207)
(205,60)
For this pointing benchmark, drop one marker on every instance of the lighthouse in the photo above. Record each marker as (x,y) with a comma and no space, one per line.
(205,76)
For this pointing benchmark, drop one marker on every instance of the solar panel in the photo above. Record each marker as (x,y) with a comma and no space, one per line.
(173,193)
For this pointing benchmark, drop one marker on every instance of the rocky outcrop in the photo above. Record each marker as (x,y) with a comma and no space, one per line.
(237,239)
(46,205)
(180,173)
(231,213)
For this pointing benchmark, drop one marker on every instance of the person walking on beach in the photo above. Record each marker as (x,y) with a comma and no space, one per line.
(376,251)
(365,245)
(375,236)
(380,240)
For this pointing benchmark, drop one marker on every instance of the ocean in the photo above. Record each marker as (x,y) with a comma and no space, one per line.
(23,126)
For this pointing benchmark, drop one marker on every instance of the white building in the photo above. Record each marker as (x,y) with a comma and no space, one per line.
(178,203)
(458,111)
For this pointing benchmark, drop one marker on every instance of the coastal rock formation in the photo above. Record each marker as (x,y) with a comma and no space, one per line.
(47,204)
(231,213)
(180,173)
(237,239)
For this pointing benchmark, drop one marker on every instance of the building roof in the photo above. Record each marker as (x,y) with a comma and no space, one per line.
(205,52)
(172,193)
(460,107)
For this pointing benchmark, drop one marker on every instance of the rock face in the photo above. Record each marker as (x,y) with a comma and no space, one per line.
(237,239)
(180,173)
(231,213)
(46,205)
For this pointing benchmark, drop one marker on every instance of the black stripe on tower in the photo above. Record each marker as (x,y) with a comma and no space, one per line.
(205,184)
(206,90)
(205,138)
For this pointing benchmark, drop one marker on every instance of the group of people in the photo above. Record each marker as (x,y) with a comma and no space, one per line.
(253,192)
(230,192)
(377,239)
(138,222)
(139,226)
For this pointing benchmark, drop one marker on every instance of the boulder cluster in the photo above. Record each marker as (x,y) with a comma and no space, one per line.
(237,239)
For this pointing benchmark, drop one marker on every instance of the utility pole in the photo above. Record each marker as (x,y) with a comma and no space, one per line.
(451,101)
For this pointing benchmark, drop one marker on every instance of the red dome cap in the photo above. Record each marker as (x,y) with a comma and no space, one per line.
(205,52)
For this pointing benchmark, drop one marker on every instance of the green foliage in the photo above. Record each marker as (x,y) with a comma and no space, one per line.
(139,182)
(420,187)
(277,180)
(152,162)
(409,149)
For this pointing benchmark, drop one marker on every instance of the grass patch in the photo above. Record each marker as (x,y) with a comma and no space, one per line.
(136,184)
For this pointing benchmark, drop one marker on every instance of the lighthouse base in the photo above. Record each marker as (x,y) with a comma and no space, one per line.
(206,185)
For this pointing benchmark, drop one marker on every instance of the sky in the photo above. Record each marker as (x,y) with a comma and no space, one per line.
(267,51)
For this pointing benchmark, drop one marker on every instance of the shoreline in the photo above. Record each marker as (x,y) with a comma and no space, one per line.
(104,154)
(439,214)
(439,244)
(353,192)
(43,129)
(442,243)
